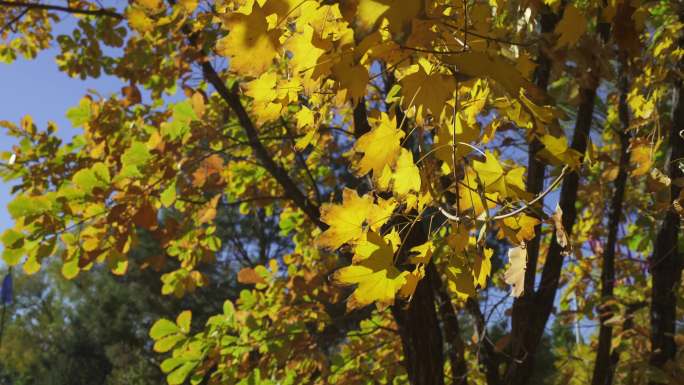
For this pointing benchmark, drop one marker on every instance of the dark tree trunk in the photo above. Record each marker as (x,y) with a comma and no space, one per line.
(604,366)
(452,333)
(522,306)
(521,367)
(666,262)
(421,336)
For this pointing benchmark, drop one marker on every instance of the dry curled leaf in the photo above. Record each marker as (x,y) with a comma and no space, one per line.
(561,235)
(249,276)
(515,273)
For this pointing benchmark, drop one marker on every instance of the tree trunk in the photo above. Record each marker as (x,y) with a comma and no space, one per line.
(421,336)
(522,306)
(666,262)
(522,365)
(452,332)
(604,366)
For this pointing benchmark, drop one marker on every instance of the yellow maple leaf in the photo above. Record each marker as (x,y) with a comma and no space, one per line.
(349,221)
(491,173)
(424,253)
(263,88)
(138,20)
(305,52)
(406,174)
(352,78)
(496,67)
(369,11)
(519,228)
(380,147)
(460,277)
(250,46)
(558,153)
(483,267)
(377,278)
(412,280)
(462,131)
(515,272)
(571,27)
(469,197)
(429,90)
(381,212)
(641,156)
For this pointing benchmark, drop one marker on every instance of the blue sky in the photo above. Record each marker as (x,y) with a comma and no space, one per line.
(36,87)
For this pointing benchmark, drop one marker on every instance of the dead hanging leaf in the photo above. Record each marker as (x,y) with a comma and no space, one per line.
(208,212)
(657,180)
(131,95)
(146,217)
(209,171)
(515,273)
(561,235)
(249,276)
(678,204)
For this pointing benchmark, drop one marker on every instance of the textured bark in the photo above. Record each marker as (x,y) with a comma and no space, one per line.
(421,336)
(522,306)
(361,125)
(449,318)
(666,261)
(604,366)
(522,365)
(487,355)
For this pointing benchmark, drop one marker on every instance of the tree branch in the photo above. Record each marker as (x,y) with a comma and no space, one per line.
(260,152)
(77,11)
(603,365)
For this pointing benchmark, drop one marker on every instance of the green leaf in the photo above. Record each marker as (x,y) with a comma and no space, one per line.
(136,155)
(167,343)
(168,196)
(163,328)
(170,364)
(179,375)
(23,206)
(184,112)
(12,239)
(228,308)
(12,256)
(70,268)
(85,179)
(183,321)
(81,114)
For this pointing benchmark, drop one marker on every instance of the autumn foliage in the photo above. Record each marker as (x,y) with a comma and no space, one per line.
(449,178)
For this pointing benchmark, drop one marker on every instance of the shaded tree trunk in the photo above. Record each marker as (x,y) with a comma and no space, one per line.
(522,306)
(452,333)
(604,366)
(666,262)
(521,367)
(421,335)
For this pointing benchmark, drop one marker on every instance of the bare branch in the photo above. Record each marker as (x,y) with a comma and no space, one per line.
(77,11)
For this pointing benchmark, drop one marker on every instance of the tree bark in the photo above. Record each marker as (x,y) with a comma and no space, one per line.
(522,306)
(522,365)
(604,366)
(487,356)
(666,261)
(449,318)
(421,335)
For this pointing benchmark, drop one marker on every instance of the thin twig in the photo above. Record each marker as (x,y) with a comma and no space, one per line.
(78,11)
